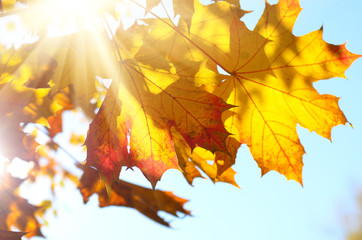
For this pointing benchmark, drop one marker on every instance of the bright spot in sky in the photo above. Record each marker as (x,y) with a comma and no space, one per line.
(71,16)
(17,167)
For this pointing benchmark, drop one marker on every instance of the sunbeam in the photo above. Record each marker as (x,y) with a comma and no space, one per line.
(3,163)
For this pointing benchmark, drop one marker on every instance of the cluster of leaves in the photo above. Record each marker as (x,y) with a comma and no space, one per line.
(185,92)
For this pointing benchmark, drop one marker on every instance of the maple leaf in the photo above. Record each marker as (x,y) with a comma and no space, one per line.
(146,201)
(169,105)
(107,139)
(281,68)
(189,162)
(271,72)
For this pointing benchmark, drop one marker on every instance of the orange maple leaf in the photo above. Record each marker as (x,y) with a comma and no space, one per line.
(147,201)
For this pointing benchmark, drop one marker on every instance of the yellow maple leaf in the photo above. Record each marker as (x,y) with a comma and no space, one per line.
(271,75)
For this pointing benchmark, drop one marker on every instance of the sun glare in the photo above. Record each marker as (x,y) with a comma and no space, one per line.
(57,18)
(69,16)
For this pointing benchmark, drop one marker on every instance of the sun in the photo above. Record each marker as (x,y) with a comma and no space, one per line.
(61,17)
(91,22)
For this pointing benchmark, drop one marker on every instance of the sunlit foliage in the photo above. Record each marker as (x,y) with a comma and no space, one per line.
(164,86)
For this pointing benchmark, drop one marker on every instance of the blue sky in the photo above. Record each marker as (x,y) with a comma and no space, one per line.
(264,208)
